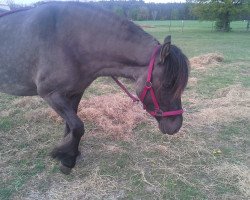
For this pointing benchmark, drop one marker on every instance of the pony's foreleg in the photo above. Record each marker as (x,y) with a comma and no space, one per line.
(74,102)
(67,151)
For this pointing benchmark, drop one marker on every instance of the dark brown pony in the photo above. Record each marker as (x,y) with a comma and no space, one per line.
(57,50)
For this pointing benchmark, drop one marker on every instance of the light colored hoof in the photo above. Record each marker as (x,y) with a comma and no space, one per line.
(64,169)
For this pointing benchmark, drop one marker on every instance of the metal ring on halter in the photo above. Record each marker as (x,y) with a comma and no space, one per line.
(148,84)
(158,113)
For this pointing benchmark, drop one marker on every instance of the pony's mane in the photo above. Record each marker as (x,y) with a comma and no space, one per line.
(176,71)
(14,11)
(131,27)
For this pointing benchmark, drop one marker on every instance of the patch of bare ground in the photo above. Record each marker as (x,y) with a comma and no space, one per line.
(203,61)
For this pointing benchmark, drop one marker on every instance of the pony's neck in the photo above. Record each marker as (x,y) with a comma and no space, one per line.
(124,71)
(117,47)
(131,67)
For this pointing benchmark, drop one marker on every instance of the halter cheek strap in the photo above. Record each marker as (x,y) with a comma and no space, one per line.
(148,87)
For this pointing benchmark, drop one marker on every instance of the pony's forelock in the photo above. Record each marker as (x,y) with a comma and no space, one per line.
(176,71)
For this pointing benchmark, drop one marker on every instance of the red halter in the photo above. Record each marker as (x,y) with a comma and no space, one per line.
(148,87)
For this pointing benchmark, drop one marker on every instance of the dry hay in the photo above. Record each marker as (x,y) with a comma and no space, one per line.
(113,148)
(93,186)
(232,103)
(29,102)
(192,81)
(5,113)
(147,26)
(36,110)
(235,175)
(38,115)
(209,59)
(114,114)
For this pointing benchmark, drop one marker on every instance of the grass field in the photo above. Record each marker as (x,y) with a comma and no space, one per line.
(208,159)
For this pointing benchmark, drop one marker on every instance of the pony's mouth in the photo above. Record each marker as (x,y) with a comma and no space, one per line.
(169,125)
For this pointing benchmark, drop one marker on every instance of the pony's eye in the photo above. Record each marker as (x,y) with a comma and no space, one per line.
(168,85)
(159,63)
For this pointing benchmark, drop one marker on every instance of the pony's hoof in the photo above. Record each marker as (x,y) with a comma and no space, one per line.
(64,169)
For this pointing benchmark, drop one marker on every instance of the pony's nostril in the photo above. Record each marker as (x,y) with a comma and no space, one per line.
(170,125)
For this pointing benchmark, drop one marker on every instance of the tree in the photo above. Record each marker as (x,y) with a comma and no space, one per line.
(246,13)
(143,14)
(119,11)
(222,11)
(154,14)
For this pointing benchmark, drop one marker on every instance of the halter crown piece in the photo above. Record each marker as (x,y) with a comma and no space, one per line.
(148,88)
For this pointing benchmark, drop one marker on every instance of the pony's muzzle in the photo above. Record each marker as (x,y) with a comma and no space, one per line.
(170,125)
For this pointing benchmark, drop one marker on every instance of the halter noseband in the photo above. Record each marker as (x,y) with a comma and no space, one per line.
(148,87)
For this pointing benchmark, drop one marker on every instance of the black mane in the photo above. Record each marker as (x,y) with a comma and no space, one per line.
(176,71)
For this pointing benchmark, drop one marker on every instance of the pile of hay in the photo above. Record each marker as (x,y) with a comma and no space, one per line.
(113,114)
(147,26)
(207,59)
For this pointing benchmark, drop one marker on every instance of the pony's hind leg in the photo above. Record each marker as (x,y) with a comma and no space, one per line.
(67,151)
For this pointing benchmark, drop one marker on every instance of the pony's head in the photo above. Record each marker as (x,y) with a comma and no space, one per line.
(168,81)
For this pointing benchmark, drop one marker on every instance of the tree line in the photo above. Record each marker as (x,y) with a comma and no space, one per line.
(139,10)
(220,11)
(223,12)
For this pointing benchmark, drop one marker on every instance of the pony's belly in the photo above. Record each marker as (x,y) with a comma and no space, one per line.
(16,82)
(18,90)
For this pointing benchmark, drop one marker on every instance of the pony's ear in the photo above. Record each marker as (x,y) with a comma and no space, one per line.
(165,49)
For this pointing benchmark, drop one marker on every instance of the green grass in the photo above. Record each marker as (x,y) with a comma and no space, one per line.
(197,38)
(218,78)
(205,161)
